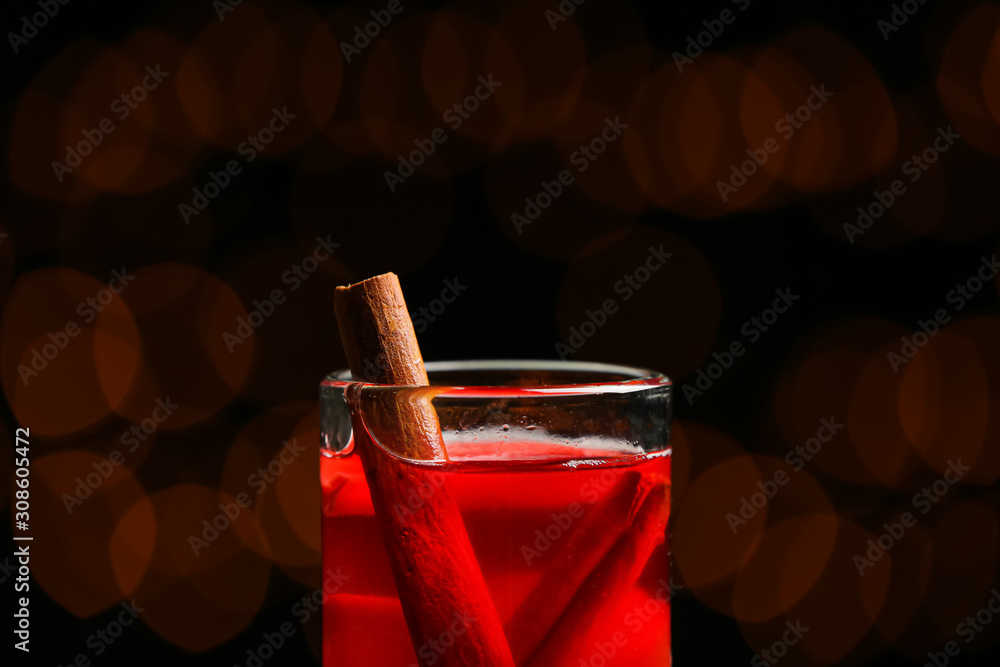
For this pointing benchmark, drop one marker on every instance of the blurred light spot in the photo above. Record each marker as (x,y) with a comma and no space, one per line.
(183,314)
(706,551)
(36,130)
(53,373)
(983,332)
(912,558)
(7,260)
(821,381)
(697,448)
(944,402)
(161,236)
(855,129)
(962,81)
(295,337)
(285,504)
(298,493)
(789,560)
(235,73)
(703,143)
(132,543)
(75,510)
(107,160)
(321,74)
(965,550)
(553,64)
(811,147)
(874,426)
(648,166)
(619,268)
(839,609)
(391,101)
(595,129)
(540,213)
(197,602)
(458,50)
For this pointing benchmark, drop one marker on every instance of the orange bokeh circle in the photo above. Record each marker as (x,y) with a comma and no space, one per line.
(203,587)
(80,504)
(69,363)
(196,355)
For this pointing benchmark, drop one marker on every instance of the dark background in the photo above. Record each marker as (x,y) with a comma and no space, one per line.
(451,221)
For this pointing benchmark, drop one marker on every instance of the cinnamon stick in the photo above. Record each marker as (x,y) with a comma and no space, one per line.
(448,608)
(583,550)
(617,572)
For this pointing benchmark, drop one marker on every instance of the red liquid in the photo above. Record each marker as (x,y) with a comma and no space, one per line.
(518,515)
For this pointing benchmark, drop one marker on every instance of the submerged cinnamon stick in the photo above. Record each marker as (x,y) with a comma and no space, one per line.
(617,572)
(583,550)
(448,608)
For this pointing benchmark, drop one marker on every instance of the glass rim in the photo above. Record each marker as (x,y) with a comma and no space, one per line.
(636,378)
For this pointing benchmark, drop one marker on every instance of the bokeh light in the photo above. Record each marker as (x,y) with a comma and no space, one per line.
(78,501)
(962,75)
(277,441)
(189,321)
(55,376)
(633,271)
(199,596)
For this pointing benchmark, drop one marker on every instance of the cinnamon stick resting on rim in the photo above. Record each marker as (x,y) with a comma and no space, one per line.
(437,575)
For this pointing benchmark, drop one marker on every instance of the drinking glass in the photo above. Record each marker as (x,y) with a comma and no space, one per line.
(561,475)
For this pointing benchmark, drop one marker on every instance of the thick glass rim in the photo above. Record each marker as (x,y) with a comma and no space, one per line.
(636,379)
